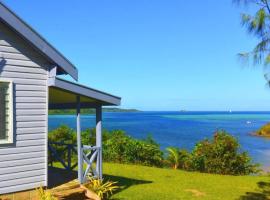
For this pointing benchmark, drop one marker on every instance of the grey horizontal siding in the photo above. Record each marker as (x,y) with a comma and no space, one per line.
(15,56)
(22,87)
(30,100)
(31,130)
(27,75)
(31,94)
(26,143)
(12,68)
(23,164)
(20,181)
(19,175)
(18,169)
(23,63)
(21,187)
(35,82)
(31,124)
(31,118)
(31,112)
(24,105)
(19,156)
(34,136)
(18,150)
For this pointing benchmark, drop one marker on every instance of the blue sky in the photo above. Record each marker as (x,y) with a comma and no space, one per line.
(155,54)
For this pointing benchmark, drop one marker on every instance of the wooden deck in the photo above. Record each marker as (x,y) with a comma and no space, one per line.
(64,185)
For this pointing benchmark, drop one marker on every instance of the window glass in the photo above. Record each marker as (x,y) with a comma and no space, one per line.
(5,111)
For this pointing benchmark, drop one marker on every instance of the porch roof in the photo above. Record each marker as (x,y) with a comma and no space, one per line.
(63,95)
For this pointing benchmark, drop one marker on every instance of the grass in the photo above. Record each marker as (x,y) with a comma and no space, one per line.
(141,183)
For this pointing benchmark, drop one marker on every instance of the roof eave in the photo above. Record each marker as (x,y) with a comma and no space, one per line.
(104,98)
(37,41)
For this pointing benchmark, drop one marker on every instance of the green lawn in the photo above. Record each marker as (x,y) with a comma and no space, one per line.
(148,183)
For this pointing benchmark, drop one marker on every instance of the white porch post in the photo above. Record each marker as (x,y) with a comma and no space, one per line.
(99,139)
(79,145)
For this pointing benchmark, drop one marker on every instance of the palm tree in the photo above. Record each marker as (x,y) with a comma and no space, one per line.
(173,156)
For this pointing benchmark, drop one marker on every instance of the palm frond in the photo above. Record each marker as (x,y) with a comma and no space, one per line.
(174,156)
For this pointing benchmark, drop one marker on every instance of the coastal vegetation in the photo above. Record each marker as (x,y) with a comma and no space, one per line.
(101,188)
(219,155)
(87,111)
(264,131)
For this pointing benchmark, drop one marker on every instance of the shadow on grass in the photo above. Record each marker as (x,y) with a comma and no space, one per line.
(124,183)
(263,192)
(59,176)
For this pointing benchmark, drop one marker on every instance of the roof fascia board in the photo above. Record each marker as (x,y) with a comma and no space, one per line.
(85,91)
(36,40)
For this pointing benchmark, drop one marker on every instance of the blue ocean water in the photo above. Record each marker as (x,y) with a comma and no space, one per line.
(183,129)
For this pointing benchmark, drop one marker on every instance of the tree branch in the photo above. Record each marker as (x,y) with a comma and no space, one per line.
(267,5)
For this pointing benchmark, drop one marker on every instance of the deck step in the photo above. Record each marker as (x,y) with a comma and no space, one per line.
(67,186)
(75,193)
(68,192)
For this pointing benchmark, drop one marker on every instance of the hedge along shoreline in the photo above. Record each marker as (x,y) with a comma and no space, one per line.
(219,155)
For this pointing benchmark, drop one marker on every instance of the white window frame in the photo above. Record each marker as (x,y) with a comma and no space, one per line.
(10,138)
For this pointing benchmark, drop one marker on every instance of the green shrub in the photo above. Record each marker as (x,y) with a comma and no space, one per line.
(264,131)
(119,147)
(62,134)
(103,189)
(221,155)
(178,158)
(45,195)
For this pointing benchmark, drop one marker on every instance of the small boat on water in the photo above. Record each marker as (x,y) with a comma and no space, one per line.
(248,122)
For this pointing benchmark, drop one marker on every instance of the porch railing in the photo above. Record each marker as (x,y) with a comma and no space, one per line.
(64,156)
(90,157)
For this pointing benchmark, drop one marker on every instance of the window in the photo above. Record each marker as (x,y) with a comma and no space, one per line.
(6,112)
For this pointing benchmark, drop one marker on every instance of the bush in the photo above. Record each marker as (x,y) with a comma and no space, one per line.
(103,189)
(117,146)
(221,155)
(121,148)
(178,158)
(45,195)
(62,134)
(264,131)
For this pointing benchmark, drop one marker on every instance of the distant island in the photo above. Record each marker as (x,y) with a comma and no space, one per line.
(88,111)
(264,131)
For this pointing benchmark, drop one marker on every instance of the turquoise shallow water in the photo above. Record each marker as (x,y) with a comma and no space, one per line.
(183,129)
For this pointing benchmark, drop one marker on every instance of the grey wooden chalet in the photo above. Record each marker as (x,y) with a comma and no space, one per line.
(29,87)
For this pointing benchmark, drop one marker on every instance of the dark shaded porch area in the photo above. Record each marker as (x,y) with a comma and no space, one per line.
(60,176)
(69,95)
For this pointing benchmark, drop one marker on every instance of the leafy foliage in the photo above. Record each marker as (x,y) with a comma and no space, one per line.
(219,155)
(258,25)
(178,158)
(62,134)
(88,111)
(264,131)
(103,189)
(119,147)
(45,195)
